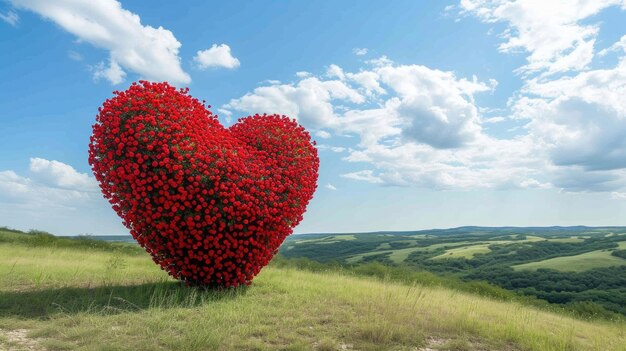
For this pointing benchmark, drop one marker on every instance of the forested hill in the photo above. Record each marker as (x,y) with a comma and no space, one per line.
(580,267)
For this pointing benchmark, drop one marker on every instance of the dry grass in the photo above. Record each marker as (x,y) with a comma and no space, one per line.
(98,300)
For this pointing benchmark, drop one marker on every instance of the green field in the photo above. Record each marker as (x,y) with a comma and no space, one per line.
(578,263)
(468,252)
(464,251)
(58,295)
(398,255)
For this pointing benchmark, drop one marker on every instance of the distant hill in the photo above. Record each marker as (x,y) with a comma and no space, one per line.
(450,231)
(563,230)
(111,238)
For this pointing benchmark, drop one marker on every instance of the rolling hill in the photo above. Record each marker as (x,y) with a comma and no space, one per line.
(59,294)
(581,268)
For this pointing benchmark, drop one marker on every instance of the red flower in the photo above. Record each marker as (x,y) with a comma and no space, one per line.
(210,204)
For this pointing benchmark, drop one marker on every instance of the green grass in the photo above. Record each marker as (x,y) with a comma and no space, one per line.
(400,255)
(578,263)
(468,252)
(383,246)
(115,298)
(465,251)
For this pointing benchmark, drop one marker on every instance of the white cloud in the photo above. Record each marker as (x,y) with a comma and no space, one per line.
(113,73)
(365,175)
(216,56)
(53,196)
(551,32)
(323,134)
(578,119)
(485,163)
(581,119)
(422,126)
(336,149)
(496,119)
(303,74)
(359,51)
(427,132)
(59,174)
(434,107)
(309,101)
(51,184)
(150,52)
(335,71)
(381,61)
(330,187)
(10,17)
(12,185)
(368,81)
(225,112)
(576,178)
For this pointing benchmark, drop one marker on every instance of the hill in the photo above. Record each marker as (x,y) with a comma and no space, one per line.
(60,294)
(580,268)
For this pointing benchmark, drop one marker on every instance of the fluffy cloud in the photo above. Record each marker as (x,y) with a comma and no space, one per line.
(434,106)
(309,101)
(150,52)
(59,174)
(365,175)
(337,149)
(50,184)
(419,126)
(216,56)
(415,126)
(323,134)
(579,118)
(368,81)
(53,196)
(12,185)
(424,128)
(551,32)
(330,187)
(486,163)
(581,121)
(303,74)
(113,73)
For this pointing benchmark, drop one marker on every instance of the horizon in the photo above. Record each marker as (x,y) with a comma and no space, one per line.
(426,115)
(403,231)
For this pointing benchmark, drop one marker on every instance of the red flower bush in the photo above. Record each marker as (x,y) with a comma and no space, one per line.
(210,204)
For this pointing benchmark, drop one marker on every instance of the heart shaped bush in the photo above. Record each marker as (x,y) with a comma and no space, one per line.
(210,204)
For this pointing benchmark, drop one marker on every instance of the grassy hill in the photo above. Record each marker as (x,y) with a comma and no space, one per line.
(579,263)
(63,294)
(580,268)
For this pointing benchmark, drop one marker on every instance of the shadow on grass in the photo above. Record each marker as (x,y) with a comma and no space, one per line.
(108,299)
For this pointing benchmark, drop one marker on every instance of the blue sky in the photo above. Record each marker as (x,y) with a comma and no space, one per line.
(427,114)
